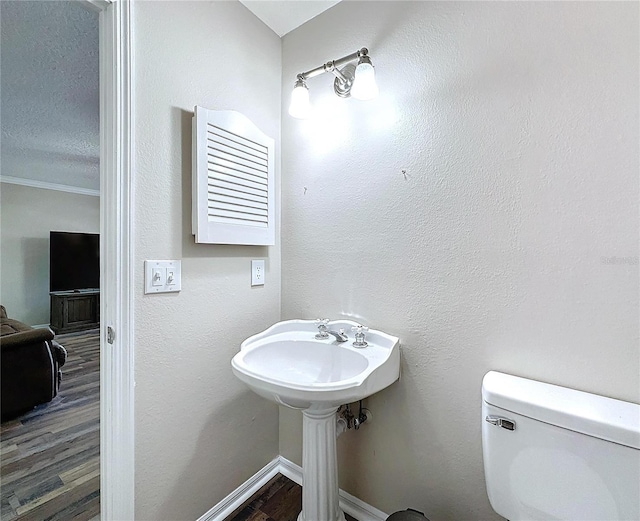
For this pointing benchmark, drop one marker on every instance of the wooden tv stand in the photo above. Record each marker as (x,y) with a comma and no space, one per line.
(74,310)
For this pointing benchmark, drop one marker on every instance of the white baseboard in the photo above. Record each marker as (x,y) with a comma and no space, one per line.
(290,470)
(240,495)
(348,503)
(359,509)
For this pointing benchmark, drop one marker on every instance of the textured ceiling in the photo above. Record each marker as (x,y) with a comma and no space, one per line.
(284,16)
(50,92)
(49,82)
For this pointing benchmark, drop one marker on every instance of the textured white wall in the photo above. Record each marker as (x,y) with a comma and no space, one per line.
(199,431)
(27,216)
(517,125)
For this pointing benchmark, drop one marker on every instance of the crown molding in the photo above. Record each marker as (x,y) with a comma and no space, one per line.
(48,186)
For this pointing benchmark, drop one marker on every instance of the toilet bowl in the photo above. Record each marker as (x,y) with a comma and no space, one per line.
(556,453)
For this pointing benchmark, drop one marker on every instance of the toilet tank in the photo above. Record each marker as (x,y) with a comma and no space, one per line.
(556,453)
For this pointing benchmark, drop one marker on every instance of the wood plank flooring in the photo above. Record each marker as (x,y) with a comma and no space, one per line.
(278,500)
(50,456)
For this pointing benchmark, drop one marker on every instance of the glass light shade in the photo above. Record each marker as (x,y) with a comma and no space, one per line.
(299,107)
(364,84)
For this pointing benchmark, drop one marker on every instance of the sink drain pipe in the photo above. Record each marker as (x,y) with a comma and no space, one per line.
(341,426)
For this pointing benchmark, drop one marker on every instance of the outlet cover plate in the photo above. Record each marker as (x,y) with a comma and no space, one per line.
(257,272)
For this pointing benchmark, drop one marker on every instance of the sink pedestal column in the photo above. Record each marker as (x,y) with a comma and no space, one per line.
(319,467)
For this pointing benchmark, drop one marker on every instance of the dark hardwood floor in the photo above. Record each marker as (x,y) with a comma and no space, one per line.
(50,456)
(278,500)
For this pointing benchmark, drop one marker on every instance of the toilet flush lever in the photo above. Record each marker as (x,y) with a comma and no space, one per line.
(505,423)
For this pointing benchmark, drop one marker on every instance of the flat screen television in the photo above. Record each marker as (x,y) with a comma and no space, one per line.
(74,261)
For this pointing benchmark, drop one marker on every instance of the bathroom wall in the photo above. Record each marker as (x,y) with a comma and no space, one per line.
(28,215)
(199,432)
(510,242)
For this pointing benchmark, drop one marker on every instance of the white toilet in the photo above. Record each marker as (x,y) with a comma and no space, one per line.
(554,453)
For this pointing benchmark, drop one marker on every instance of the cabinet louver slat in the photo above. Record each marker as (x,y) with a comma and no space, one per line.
(223,191)
(234,200)
(213,166)
(234,187)
(237,201)
(219,143)
(237,163)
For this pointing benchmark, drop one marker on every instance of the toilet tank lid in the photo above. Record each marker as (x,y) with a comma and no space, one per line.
(591,414)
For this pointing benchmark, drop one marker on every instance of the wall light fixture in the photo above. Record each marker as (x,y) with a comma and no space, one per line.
(357,81)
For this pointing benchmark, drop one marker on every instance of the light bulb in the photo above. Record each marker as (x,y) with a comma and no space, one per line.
(299,107)
(364,83)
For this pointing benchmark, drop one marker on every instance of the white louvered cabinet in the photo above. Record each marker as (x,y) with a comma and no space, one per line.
(233,180)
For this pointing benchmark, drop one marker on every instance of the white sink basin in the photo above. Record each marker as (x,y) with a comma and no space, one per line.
(288,365)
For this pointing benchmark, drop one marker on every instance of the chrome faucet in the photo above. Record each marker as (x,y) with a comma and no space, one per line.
(324,331)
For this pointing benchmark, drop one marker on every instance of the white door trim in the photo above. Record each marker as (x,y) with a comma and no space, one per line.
(116,298)
(96,5)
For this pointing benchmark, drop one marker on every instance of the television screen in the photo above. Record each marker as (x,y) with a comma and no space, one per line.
(74,261)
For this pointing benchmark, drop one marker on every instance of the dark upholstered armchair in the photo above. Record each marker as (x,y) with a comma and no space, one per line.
(30,366)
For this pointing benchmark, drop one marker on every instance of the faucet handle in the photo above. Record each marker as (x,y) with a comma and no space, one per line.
(321,323)
(359,333)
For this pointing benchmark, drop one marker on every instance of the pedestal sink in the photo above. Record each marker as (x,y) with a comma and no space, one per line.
(288,365)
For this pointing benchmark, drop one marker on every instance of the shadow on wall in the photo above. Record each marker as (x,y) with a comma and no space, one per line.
(422,460)
(398,412)
(220,430)
(189,246)
(35,252)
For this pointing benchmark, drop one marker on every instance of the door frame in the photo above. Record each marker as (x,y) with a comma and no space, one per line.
(116,267)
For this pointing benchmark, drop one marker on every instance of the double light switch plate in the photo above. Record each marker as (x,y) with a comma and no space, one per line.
(162,276)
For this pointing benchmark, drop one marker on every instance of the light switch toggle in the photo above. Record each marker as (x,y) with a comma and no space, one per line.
(157,277)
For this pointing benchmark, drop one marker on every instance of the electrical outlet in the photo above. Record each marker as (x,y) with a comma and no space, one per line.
(257,272)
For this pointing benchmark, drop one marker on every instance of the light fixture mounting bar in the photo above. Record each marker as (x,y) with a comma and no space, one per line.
(332,66)
(350,80)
